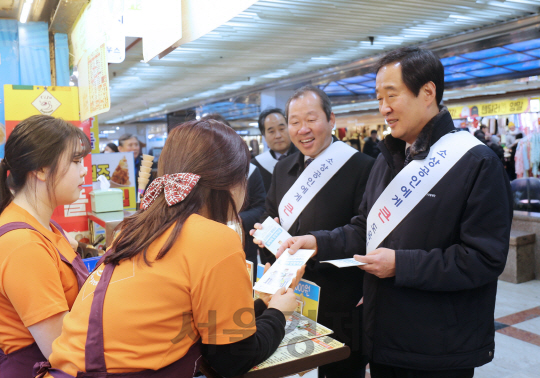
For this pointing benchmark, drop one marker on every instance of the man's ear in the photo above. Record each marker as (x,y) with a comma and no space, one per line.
(333,119)
(429,90)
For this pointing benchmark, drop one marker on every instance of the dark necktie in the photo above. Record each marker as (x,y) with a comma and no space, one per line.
(307,162)
(408,157)
(281,157)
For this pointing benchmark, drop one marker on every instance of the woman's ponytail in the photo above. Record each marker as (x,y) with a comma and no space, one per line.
(5,193)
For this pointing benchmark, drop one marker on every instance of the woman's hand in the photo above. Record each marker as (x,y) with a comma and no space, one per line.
(284,300)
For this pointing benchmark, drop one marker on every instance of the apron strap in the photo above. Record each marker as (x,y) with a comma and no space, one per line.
(77,265)
(59,228)
(94,348)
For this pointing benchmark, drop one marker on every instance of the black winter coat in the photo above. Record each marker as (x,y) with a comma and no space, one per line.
(333,206)
(437,312)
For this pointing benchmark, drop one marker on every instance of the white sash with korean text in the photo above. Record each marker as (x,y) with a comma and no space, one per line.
(267,161)
(412,184)
(314,177)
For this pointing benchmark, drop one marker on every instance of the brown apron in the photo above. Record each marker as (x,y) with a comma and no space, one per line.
(94,357)
(19,364)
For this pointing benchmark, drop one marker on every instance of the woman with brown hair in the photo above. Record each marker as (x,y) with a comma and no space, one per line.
(40,273)
(174,285)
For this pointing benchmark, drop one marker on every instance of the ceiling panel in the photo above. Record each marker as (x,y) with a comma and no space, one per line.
(277,39)
(475,65)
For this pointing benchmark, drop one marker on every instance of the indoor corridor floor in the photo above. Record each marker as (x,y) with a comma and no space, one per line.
(517,339)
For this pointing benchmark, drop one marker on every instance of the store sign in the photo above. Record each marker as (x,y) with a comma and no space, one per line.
(46,103)
(455,111)
(520,105)
(505,107)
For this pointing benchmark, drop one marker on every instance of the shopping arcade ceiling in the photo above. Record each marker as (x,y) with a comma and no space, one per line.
(516,59)
(306,36)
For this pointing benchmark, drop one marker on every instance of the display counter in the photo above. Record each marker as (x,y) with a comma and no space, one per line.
(109,221)
(283,365)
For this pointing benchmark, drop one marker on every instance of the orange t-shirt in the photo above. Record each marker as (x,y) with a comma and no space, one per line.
(35,283)
(202,280)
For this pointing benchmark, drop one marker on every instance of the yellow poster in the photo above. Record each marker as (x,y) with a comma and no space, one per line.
(455,111)
(28,100)
(517,106)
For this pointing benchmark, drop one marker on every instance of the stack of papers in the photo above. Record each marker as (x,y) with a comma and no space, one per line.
(303,349)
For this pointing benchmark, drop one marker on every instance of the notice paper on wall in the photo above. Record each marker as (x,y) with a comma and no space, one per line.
(272,235)
(283,271)
(344,263)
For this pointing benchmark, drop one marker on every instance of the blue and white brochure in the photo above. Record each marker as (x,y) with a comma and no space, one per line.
(272,235)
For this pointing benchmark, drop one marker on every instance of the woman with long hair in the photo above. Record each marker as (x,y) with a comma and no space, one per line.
(40,273)
(174,285)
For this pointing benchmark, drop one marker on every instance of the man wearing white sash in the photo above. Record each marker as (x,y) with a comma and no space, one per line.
(433,231)
(273,127)
(318,188)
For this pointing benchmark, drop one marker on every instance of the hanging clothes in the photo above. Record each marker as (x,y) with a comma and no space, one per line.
(535,154)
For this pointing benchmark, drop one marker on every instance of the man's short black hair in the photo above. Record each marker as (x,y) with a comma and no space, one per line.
(373,132)
(265,114)
(326,104)
(482,127)
(418,67)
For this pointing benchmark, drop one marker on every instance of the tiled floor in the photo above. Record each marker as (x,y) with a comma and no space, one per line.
(517,340)
(517,346)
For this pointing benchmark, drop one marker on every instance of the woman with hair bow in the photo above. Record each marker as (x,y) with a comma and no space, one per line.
(174,285)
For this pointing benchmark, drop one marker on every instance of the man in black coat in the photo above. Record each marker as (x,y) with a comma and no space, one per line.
(273,127)
(371,145)
(481,134)
(430,286)
(310,126)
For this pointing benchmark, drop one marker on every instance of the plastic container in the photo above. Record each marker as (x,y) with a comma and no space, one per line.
(105,200)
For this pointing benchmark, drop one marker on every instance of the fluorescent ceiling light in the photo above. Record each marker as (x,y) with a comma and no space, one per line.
(253,124)
(27,7)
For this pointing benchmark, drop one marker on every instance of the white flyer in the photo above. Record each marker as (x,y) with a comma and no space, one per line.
(344,263)
(283,271)
(272,235)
